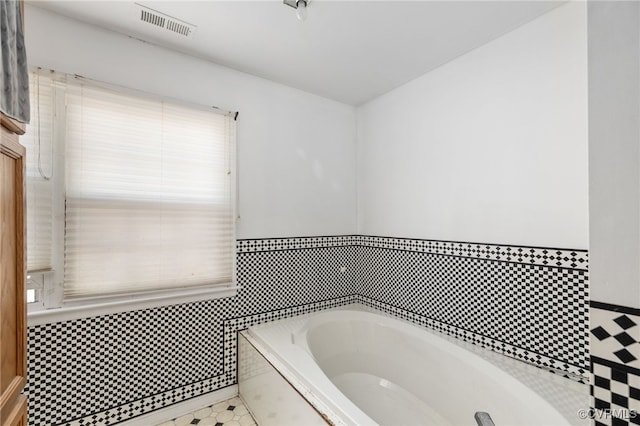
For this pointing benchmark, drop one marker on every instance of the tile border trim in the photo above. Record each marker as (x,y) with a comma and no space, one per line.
(616,365)
(254,245)
(614,308)
(613,331)
(540,256)
(149,404)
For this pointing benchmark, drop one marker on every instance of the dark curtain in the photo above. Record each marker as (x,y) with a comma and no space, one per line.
(14,75)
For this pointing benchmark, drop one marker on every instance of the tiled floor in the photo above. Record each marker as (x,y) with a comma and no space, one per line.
(231,412)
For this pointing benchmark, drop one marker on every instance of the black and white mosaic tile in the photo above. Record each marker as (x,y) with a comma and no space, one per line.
(615,394)
(107,369)
(617,334)
(615,365)
(274,279)
(110,368)
(115,367)
(539,309)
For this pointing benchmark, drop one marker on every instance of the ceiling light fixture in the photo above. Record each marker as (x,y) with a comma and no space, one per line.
(301,7)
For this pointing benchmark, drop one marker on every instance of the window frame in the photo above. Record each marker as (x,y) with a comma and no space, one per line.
(52,305)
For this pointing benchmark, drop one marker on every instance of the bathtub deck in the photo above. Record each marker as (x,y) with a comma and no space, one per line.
(566,395)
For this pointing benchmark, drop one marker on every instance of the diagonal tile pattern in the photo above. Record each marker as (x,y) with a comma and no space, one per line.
(617,336)
(615,368)
(231,412)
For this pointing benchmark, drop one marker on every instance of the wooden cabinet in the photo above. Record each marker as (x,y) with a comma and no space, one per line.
(13,321)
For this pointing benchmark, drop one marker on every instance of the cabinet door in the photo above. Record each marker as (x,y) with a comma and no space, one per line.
(12,281)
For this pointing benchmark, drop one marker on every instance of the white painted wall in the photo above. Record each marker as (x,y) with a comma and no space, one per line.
(296,150)
(491,147)
(614,151)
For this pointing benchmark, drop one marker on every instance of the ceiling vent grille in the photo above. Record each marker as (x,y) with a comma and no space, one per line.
(165,22)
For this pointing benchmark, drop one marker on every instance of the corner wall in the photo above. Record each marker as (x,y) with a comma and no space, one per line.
(614,208)
(490,147)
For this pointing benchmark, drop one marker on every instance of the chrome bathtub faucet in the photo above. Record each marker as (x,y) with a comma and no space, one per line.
(483,419)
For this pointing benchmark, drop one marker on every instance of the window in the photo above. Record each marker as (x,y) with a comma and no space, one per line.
(39,174)
(145,188)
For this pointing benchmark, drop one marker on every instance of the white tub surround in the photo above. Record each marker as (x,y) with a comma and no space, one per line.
(267,394)
(364,368)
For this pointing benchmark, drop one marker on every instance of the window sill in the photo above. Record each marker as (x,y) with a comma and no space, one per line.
(104,306)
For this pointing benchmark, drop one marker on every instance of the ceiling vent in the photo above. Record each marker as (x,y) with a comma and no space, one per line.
(168,24)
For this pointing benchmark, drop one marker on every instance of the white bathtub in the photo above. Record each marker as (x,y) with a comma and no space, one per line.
(362,368)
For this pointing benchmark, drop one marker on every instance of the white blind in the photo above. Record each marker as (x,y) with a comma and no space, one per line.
(149,194)
(38,141)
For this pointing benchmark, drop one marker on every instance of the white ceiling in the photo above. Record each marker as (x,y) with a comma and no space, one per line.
(350,51)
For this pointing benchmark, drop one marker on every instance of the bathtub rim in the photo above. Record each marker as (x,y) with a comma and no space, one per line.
(523,393)
(340,409)
(290,377)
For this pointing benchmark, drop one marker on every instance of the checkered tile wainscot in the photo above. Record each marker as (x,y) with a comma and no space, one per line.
(526,302)
(615,364)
